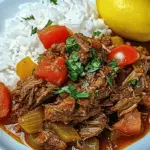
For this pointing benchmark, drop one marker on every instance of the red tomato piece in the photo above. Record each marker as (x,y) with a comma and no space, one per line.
(124,55)
(53,71)
(4,101)
(53,35)
(129,125)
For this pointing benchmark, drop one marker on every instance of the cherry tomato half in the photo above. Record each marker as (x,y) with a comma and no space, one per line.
(124,55)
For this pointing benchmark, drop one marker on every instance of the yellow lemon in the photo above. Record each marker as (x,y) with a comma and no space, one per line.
(128,18)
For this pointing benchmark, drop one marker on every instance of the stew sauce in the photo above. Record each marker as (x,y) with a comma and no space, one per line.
(105,143)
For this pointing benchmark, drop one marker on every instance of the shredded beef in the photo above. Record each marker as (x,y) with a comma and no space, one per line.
(61,111)
(96,44)
(56,50)
(85,111)
(94,126)
(106,40)
(50,140)
(85,46)
(29,94)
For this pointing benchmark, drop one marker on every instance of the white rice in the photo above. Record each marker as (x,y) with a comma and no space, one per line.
(17,42)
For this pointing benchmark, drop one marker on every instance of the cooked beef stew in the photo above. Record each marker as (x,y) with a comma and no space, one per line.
(101,96)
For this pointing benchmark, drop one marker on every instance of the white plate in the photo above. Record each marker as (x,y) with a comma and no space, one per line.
(8,8)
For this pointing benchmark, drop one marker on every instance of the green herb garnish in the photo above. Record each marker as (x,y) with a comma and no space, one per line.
(64,89)
(113,73)
(134,82)
(29,18)
(94,65)
(75,67)
(115,68)
(54,1)
(109,80)
(114,63)
(34,30)
(71,45)
(71,89)
(81,95)
(95,62)
(96,33)
(49,23)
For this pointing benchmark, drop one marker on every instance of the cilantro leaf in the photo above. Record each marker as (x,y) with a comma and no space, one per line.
(134,82)
(94,65)
(71,45)
(29,18)
(113,73)
(96,33)
(34,30)
(115,68)
(82,95)
(109,80)
(54,1)
(95,62)
(49,23)
(75,67)
(114,63)
(63,90)
(71,89)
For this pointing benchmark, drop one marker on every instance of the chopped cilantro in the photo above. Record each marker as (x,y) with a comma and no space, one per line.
(49,23)
(34,30)
(85,84)
(95,62)
(54,1)
(114,63)
(71,45)
(96,33)
(114,70)
(134,82)
(94,65)
(109,80)
(82,95)
(71,89)
(29,18)
(63,90)
(75,67)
